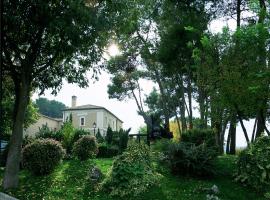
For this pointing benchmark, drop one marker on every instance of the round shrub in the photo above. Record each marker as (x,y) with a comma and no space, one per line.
(132,173)
(86,147)
(253,165)
(188,159)
(42,156)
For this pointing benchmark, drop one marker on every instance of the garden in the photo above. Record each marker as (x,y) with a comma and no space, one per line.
(72,164)
(195,72)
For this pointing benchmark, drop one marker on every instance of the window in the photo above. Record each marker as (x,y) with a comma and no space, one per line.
(82,121)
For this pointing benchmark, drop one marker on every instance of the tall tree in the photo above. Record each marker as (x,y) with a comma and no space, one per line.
(50,108)
(57,39)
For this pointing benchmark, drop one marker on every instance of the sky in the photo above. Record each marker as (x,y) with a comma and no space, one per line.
(96,94)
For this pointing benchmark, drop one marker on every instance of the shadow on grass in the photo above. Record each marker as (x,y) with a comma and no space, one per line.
(30,186)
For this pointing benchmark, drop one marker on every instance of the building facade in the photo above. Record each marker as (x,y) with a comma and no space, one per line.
(52,123)
(91,117)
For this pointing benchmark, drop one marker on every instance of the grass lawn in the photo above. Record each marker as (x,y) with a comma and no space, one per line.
(69,181)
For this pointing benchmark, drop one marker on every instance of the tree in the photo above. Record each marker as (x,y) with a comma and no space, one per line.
(57,39)
(50,108)
(109,135)
(31,115)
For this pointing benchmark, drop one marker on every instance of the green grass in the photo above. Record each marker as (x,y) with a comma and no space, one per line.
(69,181)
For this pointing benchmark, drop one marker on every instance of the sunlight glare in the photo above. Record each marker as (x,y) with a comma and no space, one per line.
(113,50)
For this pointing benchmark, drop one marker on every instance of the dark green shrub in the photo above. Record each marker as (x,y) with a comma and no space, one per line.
(99,137)
(27,140)
(199,136)
(109,135)
(105,151)
(188,159)
(123,140)
(253,165)
(42,156)
(78,133)
(45,132)
(86,147)
(161,145)
(132,173)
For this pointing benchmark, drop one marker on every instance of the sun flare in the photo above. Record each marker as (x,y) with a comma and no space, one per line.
(113,50)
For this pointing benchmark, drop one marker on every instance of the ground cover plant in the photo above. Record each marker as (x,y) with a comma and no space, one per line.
(70,181)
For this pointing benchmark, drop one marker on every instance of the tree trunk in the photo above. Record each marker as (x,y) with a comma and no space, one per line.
(232,132)
(190,117)
(238,13)
(243,128)
(228,143)
(182,104)
(201,100)
(11,175)
(178,124)
(163,100)
(260,124)
(253,132)
(222,135)
(217,129)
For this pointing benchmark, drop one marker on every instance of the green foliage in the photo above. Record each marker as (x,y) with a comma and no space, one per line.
(68,132)
(7,106)
(28,140)
(70,182)
(109,135)
(50,108)
(188,159)
(105,151)
(131,174)
(253,165)
(86,147)
(123,139)
(199,136)
(42,156)
(78,133)
(46,132)
(161,145)
(99,137)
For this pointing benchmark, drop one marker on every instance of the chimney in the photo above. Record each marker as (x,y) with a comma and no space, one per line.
(73,101)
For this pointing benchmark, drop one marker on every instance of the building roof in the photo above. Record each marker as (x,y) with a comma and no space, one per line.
(55,119)
(90,107)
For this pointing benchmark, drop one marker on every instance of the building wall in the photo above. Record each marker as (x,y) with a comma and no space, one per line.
(90,116)
(101,117)
(43,120)
(112,121)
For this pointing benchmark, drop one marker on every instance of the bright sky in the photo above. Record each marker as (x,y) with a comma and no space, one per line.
(96,94)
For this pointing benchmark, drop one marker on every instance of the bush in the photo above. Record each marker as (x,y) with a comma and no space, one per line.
(131,174)
(42,156)
(78,133)
(45,132)
(105,151)
(68,132)
(99,137)
(109,135)
(123,140)
(199,136)
(86,147)
(188,159)
(27,140)
(253,165)
(162,145)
